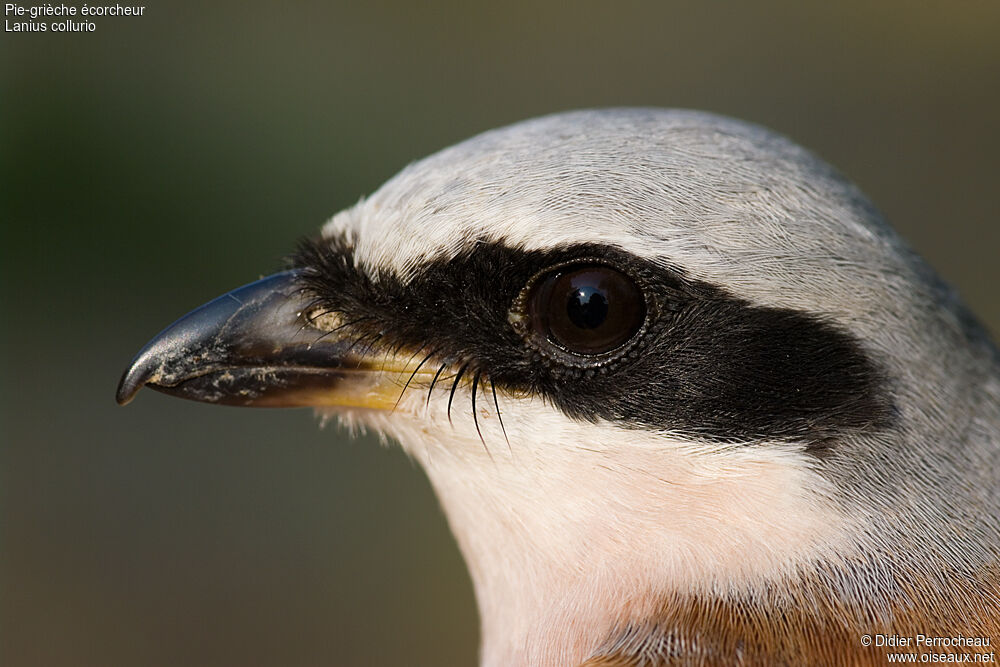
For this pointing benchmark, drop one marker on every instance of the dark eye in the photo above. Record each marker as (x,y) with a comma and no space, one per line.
(587,310)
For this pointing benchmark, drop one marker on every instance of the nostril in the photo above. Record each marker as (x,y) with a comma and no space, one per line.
(324,319)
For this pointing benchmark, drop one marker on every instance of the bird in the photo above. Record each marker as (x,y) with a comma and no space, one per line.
(684,395)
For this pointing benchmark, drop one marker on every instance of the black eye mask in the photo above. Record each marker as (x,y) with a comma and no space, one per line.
(604,334)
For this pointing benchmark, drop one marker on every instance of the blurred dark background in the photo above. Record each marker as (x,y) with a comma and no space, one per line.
(159,161)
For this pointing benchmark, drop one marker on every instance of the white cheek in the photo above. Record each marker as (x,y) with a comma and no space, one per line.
(598,522)
(700,513)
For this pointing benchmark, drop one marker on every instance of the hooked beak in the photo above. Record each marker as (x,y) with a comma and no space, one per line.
(256,346)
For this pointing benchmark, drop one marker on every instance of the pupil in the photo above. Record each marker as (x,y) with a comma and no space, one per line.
(587,307)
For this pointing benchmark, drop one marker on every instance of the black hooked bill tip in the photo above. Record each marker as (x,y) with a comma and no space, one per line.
(247,347)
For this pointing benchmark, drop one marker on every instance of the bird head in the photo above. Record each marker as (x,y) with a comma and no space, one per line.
(672,377)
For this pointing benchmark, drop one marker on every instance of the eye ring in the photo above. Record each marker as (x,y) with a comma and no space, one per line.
(583,313)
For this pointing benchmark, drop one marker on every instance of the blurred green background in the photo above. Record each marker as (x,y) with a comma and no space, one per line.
(159,161)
